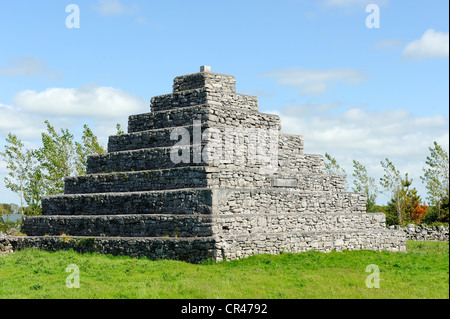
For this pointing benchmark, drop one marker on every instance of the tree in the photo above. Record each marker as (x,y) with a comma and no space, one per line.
(333,168)
(405,201)
(390,210)
(119,129)
(36,173)
(35,187)
(364,184)
(436,177)
(89,146)
(56,158)
(393,183)
(414,211)
(18,162)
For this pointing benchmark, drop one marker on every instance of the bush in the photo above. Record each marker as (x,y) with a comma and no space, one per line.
(8,226)
(432,215)
(5,209)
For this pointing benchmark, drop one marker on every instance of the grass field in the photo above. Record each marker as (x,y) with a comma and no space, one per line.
(423,272)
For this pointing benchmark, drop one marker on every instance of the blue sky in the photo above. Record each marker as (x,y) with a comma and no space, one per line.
(352,91)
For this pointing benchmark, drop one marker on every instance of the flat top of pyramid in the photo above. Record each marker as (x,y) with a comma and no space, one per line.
(204,78)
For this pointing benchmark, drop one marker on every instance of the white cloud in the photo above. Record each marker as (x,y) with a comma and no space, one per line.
(90,101)
(68,108)
(316,81)
(431,45)
(27,66)
(368,137)
(114,7)
(12,120)
(396,132)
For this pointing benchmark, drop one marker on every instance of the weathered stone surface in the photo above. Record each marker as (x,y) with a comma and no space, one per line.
(205,79)
(209,114)
(423,232)
(5,245)
(182,201)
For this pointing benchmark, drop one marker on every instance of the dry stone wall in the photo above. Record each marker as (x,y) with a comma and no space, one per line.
(423,232)
(5,245)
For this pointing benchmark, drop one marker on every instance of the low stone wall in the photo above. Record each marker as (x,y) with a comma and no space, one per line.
(241,246)
(198,225)
(423,232)
(5,245)
(187,249)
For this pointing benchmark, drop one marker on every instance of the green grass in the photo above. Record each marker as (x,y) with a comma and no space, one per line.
(423,272)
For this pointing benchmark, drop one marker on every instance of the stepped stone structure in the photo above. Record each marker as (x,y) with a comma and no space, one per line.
(205,175)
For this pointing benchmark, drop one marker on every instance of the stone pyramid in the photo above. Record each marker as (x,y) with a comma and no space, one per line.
(205,175)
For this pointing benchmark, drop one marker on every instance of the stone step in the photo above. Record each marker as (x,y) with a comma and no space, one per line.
(238,224)
(253,178)
(189,249)
(198,176)
(160,137)
(285,200)
(180,201)
(203,95)
(141,160)
(305,163)
(205,201)
(172,157)
(225,247)
(173,225)
(210,114)
(161,179)
(161,158)
(200,134)
(230,247)
(119,225)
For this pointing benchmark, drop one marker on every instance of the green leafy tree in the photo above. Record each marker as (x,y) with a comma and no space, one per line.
(364,184)
(390,210)
(35,187)
(436,178)
(18,162)
(332,167)
(56,158)
(393,183)
(89,146)
(36,173)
